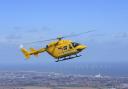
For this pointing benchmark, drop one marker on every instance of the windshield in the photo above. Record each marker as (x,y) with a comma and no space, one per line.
(74,44)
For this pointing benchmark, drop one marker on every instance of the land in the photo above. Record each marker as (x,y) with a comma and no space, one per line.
(44,80)
(36,87)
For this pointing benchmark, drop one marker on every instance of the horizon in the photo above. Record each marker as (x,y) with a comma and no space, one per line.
(30,20)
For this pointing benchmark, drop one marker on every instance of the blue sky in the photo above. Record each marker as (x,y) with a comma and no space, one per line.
(30,20)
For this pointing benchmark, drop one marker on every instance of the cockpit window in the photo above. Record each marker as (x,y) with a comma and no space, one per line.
(65,48)
(74,44)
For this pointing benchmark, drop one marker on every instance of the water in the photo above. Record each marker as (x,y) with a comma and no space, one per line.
(109,69)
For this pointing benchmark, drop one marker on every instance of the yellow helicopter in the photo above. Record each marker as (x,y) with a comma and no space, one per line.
(60,49)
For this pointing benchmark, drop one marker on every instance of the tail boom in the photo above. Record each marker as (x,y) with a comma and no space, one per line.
(32,51)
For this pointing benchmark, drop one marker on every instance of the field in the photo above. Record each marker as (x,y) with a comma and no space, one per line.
(58,88)
(32,87)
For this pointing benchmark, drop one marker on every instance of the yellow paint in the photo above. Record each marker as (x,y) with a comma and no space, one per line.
(57,49)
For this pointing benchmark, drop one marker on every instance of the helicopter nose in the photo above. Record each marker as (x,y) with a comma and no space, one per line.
(81,47)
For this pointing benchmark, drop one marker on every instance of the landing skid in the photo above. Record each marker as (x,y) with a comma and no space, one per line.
(68,58)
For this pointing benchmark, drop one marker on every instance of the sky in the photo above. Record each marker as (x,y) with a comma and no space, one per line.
(32,20)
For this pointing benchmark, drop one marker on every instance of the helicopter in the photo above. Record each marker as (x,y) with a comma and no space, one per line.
(61,49)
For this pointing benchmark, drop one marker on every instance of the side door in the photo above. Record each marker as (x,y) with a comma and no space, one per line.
(67,49)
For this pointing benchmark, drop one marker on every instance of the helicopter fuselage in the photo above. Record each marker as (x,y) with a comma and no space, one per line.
(57,49)
(64,48)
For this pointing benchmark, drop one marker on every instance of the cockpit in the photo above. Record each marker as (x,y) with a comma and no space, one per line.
(74,44)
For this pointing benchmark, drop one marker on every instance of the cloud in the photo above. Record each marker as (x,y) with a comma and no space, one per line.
(122,35)
(13,37)
(17,28)
(32,29)
(24,34)
(10,38)
(39,29)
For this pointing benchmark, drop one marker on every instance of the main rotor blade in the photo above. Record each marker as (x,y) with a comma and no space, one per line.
(77,34)
(59,37)
(39,41)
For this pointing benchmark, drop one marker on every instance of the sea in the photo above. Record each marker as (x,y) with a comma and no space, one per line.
(107,69)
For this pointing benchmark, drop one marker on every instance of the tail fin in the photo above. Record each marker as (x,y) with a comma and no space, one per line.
(32,51)
(25,52)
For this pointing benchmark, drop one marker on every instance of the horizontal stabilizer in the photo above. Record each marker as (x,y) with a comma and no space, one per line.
(32,52)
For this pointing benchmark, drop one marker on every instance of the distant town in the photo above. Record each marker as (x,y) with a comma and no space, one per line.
(44,80)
